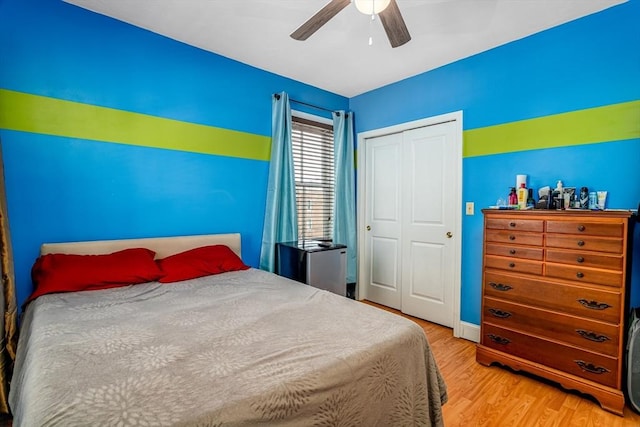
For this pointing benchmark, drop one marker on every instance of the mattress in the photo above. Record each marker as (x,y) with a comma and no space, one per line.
(238,348)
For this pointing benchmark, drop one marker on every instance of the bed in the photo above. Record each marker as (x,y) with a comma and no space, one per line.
(241,347)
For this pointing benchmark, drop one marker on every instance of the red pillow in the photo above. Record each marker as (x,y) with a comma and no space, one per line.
(199,262)
(67,273)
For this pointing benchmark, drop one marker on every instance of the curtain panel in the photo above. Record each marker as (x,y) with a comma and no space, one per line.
(281,217)
(344,215)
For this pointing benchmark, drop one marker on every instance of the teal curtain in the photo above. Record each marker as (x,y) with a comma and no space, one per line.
(281,217)
(344,210)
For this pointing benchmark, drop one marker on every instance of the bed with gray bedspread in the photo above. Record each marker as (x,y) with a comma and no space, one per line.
(239,348)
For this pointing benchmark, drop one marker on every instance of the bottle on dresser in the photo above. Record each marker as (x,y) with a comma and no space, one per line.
(522,196)
(513,197)
(531,203)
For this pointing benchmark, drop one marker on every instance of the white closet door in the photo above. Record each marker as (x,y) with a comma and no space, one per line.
(428,222)
(382,249)
(410,196)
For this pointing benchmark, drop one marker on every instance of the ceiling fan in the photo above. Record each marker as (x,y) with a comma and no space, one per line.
(387,10)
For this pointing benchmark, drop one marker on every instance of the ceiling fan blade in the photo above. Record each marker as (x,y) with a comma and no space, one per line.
(323,16)
(394,25)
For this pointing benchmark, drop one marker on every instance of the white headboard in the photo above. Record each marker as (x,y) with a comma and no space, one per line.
(163,246)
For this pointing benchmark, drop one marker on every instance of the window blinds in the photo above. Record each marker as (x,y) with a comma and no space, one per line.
(312,145)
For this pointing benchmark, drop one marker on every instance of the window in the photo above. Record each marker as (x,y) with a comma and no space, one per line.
(314,175)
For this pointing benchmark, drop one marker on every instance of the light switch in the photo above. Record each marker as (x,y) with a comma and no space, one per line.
(469,208)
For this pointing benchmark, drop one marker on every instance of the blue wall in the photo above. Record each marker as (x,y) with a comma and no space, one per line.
(61,188)
(587,63)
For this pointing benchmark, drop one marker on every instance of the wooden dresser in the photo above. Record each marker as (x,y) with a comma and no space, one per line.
(554,297)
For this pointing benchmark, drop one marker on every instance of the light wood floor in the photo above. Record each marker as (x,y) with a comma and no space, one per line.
(496,396)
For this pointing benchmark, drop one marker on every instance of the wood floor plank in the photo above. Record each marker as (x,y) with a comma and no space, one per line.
(496,396)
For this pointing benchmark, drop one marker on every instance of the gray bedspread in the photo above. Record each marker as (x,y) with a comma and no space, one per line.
(240,348)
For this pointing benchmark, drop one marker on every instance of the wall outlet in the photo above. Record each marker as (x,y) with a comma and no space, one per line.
(469,208)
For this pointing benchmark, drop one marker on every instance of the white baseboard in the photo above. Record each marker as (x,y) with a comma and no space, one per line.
(469,331)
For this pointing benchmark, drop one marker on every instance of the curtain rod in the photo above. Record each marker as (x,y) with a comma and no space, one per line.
(277,96)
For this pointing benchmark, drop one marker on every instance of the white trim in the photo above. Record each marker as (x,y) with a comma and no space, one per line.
(469,331)
(456,117)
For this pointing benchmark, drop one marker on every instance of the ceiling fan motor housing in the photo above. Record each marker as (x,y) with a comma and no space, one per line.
(371,7)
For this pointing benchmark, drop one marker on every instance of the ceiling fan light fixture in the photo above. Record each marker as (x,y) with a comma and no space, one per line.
(371,7)
(386,10)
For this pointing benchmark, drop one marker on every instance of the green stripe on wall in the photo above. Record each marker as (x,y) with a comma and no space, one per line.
(39,114)
(614,122)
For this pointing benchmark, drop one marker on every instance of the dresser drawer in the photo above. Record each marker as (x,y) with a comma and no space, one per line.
(588,334)
(585,364)
(505,236)
(514,251)
(591,302)
(515,224)
(514,265)
(582,274)
(585,243)
(586,259)
(585,227)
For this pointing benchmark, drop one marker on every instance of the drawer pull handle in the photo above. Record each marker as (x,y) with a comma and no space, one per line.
(500,286)
(590,367)
(499,313)
(592,336)
(512,237)
(512,251)
(580,259)
(580,242)
(581,228)
(594,305)
(579,275)
(498,340)
(512,224)
(511,264)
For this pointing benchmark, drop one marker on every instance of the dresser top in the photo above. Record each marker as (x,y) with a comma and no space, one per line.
(609,213)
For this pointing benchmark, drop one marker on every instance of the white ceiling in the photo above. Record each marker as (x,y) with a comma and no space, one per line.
(337,57)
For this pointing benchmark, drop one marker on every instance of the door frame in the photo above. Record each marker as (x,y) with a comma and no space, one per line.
(455,117)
